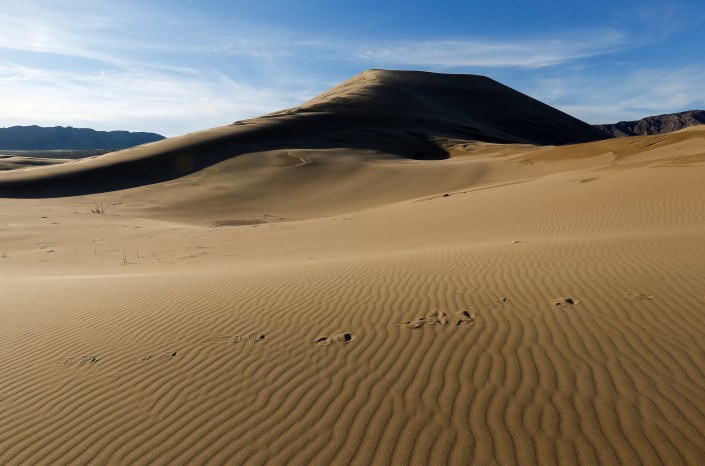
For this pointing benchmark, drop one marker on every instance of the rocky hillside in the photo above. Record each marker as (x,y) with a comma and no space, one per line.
(59,137)
(658,124)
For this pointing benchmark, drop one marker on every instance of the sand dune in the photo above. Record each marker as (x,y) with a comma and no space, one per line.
(511,303)
(403,114)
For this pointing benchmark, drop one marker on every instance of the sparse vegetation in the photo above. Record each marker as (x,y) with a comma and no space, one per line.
(99,208)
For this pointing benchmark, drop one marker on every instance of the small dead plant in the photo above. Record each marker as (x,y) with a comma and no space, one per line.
(99,208)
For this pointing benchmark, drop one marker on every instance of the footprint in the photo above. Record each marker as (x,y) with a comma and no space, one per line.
(234,339)
(414,323)
(88,359)
(437,318)
(167,356)
(65,362)
(343,338)
(637,297)
(418,323)
(434,318)
(466,318)
(256,337)
(144,358)
(565,302)
(322,341)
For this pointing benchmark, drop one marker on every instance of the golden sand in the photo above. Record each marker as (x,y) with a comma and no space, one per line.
(512,304)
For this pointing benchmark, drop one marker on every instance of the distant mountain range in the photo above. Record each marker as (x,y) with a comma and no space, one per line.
(657,124)
(59,137)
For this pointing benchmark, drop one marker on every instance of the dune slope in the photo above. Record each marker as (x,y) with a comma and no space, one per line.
(398,113)
(511,304)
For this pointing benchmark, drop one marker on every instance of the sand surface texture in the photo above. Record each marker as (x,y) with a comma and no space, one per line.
(404,296)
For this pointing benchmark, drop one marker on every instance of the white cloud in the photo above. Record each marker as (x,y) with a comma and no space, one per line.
(31,28)
(63,65)
(132,100)
(629,95)
(531,53)
(121,66)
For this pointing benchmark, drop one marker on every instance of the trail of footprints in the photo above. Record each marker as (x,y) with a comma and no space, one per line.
(434,318)
(86,359)
(165,356)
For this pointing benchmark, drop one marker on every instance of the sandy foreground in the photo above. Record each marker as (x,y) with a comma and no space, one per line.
(512,304)
(322,286)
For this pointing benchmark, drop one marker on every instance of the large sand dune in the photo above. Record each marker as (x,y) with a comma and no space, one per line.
(397,113)
(358,303)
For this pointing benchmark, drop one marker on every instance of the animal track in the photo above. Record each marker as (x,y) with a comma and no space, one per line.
(65,362)
(257,337)
(466,318)
(343,338)
(144,358)
(434,318)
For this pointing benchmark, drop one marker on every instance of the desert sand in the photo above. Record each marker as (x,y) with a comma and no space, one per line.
(374,277)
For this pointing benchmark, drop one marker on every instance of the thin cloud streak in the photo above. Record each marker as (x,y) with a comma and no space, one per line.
(114,38)
(473,53)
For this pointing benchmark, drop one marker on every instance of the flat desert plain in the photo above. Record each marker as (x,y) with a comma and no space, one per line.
(354,301)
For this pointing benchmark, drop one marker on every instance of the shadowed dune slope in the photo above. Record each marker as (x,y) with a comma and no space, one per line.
(399,113)
(458,106)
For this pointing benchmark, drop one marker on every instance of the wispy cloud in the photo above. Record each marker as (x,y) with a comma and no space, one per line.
(529,53)
(104,74)
(627,95)
(133,100)
(126,66)
(29,27)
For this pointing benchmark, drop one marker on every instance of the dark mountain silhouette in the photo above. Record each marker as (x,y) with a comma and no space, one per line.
(658,124)
(465,106)
(59,137)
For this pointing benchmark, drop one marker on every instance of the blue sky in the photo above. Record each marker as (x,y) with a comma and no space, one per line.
(183,65)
